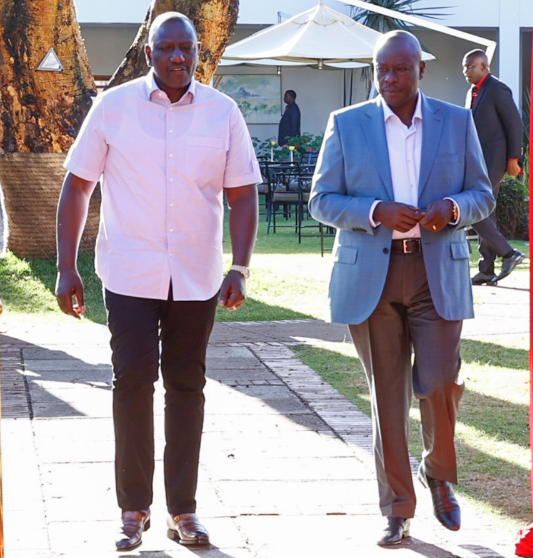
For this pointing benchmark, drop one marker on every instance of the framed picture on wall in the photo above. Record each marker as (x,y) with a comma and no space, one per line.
(258,96)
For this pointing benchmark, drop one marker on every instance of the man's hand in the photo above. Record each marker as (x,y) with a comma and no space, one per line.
(438,215)
(397,216)
(513,168)
(70,294)
(233,291)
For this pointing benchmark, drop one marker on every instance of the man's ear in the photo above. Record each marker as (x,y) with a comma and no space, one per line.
(148,54)
(422,69)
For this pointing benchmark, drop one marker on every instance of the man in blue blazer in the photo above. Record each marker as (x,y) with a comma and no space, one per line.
(400,177)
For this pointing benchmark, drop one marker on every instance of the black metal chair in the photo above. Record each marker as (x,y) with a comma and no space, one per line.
(263,189)
(283,187)
(321,231)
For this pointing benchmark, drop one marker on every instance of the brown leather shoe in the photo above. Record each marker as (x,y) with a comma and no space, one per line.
(186,529)
(133,525)
(445,505)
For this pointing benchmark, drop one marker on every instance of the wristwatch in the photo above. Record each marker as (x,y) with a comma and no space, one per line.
(242,269)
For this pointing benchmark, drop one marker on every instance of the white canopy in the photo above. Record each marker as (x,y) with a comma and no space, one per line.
(317,36)
(284,63)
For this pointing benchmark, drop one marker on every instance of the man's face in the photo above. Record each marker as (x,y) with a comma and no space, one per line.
(174,57)
(398,70)
(287,98)
(474,68)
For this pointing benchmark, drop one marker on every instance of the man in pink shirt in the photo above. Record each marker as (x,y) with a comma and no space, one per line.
(166,149)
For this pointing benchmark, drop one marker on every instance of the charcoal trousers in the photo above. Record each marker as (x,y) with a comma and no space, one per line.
(147,334)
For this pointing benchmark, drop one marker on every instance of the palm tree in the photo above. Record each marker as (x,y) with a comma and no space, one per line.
(44,97)
(383,23)
(214,21)
(41,111)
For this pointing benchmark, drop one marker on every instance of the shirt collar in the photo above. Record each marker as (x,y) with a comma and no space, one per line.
(153,89)
(482,81)
(388,113)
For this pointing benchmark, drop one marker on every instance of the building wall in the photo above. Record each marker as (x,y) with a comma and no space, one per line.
(443,78)
(110,27)
(107,45)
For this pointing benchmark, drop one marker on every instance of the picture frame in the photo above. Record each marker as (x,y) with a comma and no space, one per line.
(258,96)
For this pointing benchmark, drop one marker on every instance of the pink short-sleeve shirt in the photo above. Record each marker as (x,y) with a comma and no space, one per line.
(163,168)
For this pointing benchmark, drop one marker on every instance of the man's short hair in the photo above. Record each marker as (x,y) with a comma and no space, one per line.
(291,93)
(477,53)
(398,35)
(163,18)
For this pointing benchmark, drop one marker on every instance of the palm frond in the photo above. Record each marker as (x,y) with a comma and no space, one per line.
(385,23)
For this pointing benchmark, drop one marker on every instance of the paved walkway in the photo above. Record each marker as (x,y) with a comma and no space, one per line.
(286,464)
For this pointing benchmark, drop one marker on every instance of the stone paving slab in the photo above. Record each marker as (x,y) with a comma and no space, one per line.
(286,463)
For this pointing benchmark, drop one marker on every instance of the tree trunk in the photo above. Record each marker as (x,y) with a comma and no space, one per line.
(41,111)
(214,20)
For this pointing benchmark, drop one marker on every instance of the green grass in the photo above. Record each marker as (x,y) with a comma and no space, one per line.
(289,281)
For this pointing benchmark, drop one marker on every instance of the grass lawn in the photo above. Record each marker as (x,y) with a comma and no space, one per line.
(289,281)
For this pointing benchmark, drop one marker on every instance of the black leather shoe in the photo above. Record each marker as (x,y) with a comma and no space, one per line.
(508,264)
(186,529)
(481,278)
(445,506)
(396,530)
(133,525)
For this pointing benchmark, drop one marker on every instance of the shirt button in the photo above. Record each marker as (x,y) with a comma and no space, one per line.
(171,131)
(170,230)
(171,179)
(171,205)
(170,254)
(171,156)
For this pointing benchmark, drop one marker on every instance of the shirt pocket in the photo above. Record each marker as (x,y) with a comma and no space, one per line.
(460,251)
(206,159)
(346,255)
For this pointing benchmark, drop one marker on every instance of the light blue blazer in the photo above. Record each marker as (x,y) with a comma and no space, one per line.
(353,171)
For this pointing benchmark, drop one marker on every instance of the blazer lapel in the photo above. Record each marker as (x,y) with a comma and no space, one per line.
(432,125)
(481,93)
(377,144)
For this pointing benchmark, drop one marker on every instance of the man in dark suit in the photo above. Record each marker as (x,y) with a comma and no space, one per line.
(400,177)
(289,125)
(499,128)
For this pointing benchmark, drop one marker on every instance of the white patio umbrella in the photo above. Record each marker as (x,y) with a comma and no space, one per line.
(284,63)
(317,36)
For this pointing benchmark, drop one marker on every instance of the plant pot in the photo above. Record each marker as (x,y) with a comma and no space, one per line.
(31,183)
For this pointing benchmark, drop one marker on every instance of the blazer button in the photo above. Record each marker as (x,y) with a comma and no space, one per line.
(385,250)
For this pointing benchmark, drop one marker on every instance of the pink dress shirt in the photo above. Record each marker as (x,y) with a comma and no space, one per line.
(163,168)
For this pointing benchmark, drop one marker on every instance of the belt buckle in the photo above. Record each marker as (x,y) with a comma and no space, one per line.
(405,245)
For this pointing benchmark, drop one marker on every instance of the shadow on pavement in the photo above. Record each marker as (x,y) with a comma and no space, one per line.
(40,366)
(211,551)
(481,551)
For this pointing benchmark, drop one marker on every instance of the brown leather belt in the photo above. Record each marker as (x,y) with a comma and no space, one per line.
(406,246)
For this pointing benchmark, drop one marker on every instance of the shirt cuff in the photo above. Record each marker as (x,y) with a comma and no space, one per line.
(373,223)
(457,209)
